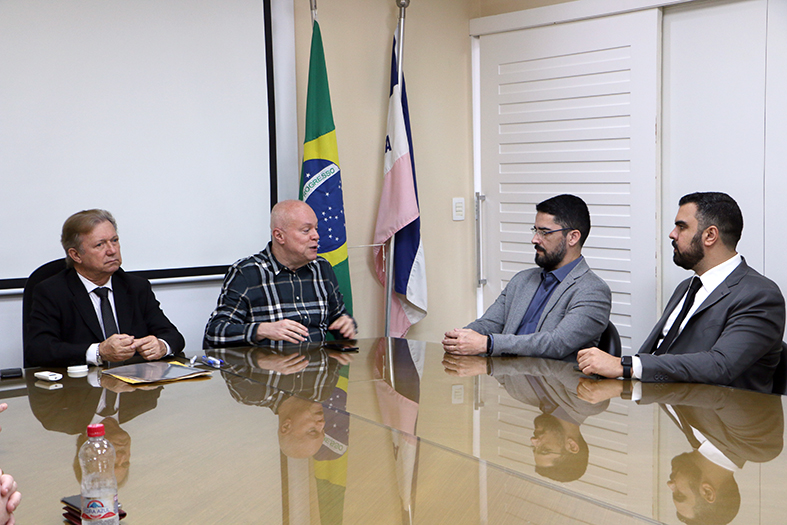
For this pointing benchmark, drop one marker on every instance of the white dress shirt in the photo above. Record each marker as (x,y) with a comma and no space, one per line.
(91,355)
(710,280)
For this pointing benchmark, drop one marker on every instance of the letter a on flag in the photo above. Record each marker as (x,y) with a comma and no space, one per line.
(399,214)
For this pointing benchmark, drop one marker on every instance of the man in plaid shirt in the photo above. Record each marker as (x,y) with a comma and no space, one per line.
(285,293)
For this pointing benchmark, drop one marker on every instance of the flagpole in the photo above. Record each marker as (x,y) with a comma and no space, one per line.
(313,4)
(389,263)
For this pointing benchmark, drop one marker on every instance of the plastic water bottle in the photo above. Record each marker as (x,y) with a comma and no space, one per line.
(99,486)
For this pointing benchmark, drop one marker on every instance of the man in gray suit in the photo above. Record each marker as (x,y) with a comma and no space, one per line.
(722,326)
(551,311)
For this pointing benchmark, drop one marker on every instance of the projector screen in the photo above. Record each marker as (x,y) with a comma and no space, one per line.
(156,110)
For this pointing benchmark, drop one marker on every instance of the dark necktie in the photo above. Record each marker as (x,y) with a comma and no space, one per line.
(110,399)
(110,328)
(695,285)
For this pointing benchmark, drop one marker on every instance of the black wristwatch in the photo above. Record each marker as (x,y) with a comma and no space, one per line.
(626,362)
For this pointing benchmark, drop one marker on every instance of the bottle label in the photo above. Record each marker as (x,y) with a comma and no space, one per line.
(95,509)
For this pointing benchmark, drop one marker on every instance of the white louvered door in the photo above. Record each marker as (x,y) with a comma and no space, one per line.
(573,108)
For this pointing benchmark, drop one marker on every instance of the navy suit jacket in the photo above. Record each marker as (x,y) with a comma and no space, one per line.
(734,338)
(63,322)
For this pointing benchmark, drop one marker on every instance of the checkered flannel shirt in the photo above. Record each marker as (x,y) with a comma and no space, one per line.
(258,289)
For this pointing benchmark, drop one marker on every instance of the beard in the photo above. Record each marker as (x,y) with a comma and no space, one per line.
(694,253)
(547,423)
(549,260)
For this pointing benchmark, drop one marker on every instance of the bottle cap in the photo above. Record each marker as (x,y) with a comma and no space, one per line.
(95,430)
(77,371)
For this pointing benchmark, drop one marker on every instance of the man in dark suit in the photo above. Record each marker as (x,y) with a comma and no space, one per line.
(93,312)
(551,311)
(722,326)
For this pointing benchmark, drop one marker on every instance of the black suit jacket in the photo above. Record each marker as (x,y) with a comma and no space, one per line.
(63,322)
(744,426)
(734,338)
(70,409)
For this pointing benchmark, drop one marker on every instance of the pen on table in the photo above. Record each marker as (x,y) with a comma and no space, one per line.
(212,361)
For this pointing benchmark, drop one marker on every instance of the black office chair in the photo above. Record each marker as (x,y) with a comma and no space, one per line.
(610,341)
(780,374)
(42,272)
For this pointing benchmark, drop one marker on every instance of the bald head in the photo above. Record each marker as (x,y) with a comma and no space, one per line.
(294,237)
(284,212)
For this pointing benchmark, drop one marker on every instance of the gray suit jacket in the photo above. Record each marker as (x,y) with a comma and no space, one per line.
(573,318)
(734,338)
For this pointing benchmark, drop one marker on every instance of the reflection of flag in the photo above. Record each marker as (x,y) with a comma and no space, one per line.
(321,180)
(399,214)
(330,462)
(398,401)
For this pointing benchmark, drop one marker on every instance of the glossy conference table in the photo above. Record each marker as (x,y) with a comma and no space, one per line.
(410,436)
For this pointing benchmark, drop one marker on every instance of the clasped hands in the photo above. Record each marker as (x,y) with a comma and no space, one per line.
(294,332)
(119,347)
(464,341)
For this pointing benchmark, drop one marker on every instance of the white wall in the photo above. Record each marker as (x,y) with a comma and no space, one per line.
(714,116)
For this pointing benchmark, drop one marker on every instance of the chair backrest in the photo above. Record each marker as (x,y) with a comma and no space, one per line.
(610,341)
(42,272)
(780,374)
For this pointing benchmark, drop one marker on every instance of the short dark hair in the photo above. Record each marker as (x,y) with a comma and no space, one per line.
(79,224)
(720,210)
(569,211)
(723,511)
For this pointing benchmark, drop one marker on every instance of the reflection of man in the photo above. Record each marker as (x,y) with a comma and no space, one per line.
(292,384)
(722,326)
(559,449)
(726,428)
(285,292)
(548,312)
(93,312)
(72,408)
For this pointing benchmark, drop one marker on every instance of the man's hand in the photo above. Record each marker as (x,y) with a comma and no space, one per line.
(345,325)
(9,498)
(595,391)
(465,365)
(596,361)
(150,347)
(464,341)
(342,357)
(117,347)
(284,330)
(283,364)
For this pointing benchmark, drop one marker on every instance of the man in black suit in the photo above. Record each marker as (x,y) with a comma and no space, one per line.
(93,312)
(722,326)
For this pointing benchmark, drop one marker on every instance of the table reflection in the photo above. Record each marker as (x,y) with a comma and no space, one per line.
(93,399)
(725,428)
(554,446)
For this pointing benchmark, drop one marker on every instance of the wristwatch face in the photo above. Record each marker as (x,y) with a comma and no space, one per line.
(625,360)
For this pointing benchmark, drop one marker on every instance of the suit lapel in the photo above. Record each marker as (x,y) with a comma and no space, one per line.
(122,302)
(83,303)
(564,285)
(724,288)
(519,307)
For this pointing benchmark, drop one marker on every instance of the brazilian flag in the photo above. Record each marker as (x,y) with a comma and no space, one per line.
(321,178)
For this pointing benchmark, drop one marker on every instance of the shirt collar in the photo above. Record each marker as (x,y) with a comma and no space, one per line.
(716,275)
(562,272)
(276,266)
(90,285)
